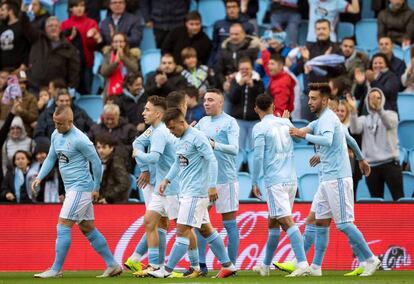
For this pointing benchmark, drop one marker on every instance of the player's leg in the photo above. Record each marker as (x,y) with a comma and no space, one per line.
(202,251)
(151,221)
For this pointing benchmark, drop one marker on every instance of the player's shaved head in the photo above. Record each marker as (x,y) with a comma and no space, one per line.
(64,112)
(213,102)
(63,119)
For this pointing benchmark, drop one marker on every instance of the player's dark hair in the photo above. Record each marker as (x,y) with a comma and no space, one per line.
(106,139)
(27,154)
(322,87)
(264,102)
(319,21)
(172,114)
(175,99)
(216,91)
(158,101)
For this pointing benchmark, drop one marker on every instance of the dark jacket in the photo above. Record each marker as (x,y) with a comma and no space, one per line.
(132,106)
(242,99)
(8,186)
(398,66)
(178,39)
(175,82)
(396,24)
(129,24)
(195,114)
(115,181)
(45,125)
(47,63)
(4,130)
(165,14)
(40,197)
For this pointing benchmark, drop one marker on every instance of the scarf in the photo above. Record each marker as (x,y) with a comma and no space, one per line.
(117,79)
(18,182)
(330,60)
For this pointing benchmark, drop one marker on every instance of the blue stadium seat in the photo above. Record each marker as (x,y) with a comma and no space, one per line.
(103,14)
(405,102)
(263,6)
(61,10)
(93,106)
(345,29)
(362,190)
(209,31)
(407,56)
(132,187)
(411,160)
(366,11)
(366,32)
(403,155)
(148,40)
(371,199)
(405,134)
(211,11)
(98,83)
(302,157)
(406,199)
(411,4)
(408,183)
(245,184)
(303,32)
(193,5)
(308,185)
(97,62)
(150,61)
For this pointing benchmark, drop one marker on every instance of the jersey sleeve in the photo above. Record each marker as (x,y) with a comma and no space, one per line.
(233,132)
(49,163)
(203,146)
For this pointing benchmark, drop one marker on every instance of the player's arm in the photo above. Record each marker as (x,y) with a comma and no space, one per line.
(326,127)
(233,137)
(204,147)
(89,152)
(158,143)
(258,156)
(174,170)
(139,144)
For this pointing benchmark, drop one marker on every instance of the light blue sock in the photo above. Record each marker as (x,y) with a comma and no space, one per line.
(100,245)
(153,254)
(309,237)
(356,251)
(178,251)
(142,246)
(233,239)
(321,243)
(63,241)
(296,241)
(202,246)
(162,236)
(217,246)
(193,256)
(355,236)
(272,242)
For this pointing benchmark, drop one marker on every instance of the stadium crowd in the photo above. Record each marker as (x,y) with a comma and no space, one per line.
(47,62)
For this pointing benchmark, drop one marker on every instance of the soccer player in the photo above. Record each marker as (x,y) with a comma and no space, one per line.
(196,167)
(74,151)
(334,198)
(273,152)
(222,131)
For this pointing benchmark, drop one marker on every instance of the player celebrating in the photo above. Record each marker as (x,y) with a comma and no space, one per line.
(197,169)
(74,151)
(334,198)
(273,152)
(222,131)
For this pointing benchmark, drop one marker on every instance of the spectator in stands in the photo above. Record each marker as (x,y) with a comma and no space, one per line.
(238,45)
(44,98)
(328,10)
(190,35)
(93,9)
(27,108)
(166,79)
(120,21)
(17,140)
(115,180)
(343,112)
(407,79)
(119,129)
(51,189)
(396,65)
(250,8)
(45,124)
(379,144)
(244,89)
(84,34)
(195,110)
(353,58)
(221,28)
(197,75)
(133,100)
(286,17)
(55,85)
(39,16)
(397,23)
(118,60)
(164,16)
(52,57)
(4,130)
(340,86)
(16,36)
(13,188)
(378,76)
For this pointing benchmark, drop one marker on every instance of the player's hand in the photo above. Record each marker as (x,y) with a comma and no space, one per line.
(256,192)
(212,194)
(163,186)
(364,167)
(315,160)
(95,196)
(297,132)
(143,179)
(35,184)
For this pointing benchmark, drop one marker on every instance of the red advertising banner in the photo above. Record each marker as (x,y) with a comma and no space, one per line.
(28,233)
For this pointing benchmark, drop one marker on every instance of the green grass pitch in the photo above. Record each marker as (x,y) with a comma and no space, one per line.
(334,277)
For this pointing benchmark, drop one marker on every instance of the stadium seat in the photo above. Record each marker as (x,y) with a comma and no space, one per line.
(406,199)
(92,104)
(148,40)
(405,103)
(263,6)
(411,4)
(103,14)
(411,160)
(366,32)
(366,11)
(209,31)
(98,83)
(408,184)
(193,5)
(150,61)
(345,30)
(245,185)
(362,191)
(211,11)
(303,32)
(61,10)
(371,199)
(407,56)
(403,156)
(405,134)
(308,185)
(97,62)
(132,187)
(302,157)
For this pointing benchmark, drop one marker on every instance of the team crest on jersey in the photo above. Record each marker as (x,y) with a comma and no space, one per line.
(147,133)
(183,160)
(63,158)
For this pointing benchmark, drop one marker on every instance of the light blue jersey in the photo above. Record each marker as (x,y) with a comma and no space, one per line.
(74,151)
(329,134)
(161,154)
(142,142)
(195,164)
(224,130)
(273,151)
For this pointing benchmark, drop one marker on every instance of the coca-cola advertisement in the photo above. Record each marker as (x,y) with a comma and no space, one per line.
(28,233)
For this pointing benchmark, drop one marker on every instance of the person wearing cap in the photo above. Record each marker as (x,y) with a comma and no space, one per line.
(27,109)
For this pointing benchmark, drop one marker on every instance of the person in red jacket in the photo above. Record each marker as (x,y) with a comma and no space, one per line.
(84,34)
(281,85)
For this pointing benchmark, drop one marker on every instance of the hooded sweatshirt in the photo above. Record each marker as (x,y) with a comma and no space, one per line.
(379,133)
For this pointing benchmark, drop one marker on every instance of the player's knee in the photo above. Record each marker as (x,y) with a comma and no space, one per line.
(206,230)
